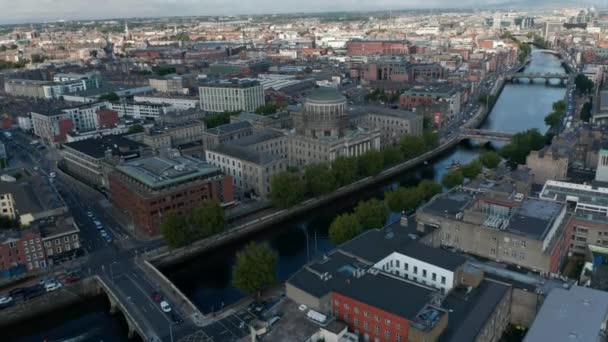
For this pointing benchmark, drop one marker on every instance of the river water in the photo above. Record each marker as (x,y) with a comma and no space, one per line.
(206,280)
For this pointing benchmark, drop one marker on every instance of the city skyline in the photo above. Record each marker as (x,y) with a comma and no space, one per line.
(27,11)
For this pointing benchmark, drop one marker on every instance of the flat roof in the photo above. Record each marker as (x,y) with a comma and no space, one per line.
(244,153)
(534,217)
(96,147)
(232,83)
(228,128)
(582,193)
(570,315)
(156,172)
(257,138)
(449,204)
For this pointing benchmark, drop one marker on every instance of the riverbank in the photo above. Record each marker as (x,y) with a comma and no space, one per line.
(167,258)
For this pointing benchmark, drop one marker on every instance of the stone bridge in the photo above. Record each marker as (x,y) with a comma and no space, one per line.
(535,76)
(483,135)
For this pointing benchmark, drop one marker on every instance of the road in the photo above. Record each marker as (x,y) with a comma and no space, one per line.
(105,256)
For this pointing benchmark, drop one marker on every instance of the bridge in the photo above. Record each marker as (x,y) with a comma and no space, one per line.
(483,135)
(533,76)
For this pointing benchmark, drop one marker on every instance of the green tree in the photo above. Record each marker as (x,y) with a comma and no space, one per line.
(112,97)
(136,129)
(344,170)
(427,189)
(490,159)
(371,213)
(286,190)
(267,109)
(219,119)
(319,179)
(182,36)
(431,140)
(520,146)
(208,219)
(344,228)
(487,99)
(371,163)
(553,119)
(176,230)
(586,111)
(412,146)
(452,178)
(472,169)
(255,268)
(583,84)
(164,70)
(392,156)
(403,199)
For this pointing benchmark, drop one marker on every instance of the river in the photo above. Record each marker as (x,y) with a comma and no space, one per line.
(206,280)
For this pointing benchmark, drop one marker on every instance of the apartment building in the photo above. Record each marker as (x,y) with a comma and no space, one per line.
(149,188)
(85,117)
(231,95)
(141,110)
(251,171)
(52,127)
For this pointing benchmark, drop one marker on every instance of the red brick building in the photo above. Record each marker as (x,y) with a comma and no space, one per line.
(375,47)
(107,118)
(147,189)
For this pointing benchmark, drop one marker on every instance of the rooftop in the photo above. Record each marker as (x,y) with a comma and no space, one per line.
(31,195)
(577,314)
(534,218)
(325,95)
(232,83)
(229,128)
(157,172)
(257,138)
(378,110)
(580,193)
(96,147)
(244,153)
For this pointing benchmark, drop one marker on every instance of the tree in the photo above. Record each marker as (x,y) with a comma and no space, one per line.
(403,199)
(371,214)
(452,178)
(427,189)
(136,129)
(182,36)
(176,230)
(344,228)
(472,169)
(219,119)
(319,179)
(208,218)
(112,97)
(487,99)
(344,170)
(520,146)
(586,111)
(286,190)
(431,140)
(371,163)
(490,159)
(163,70)
(255,268)
(583,84)
(36,58)
(267,109)
(392,156)
(412,146)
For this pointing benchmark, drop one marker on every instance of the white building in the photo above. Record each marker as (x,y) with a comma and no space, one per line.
(232,95)
(25,123)
(141,110)
(84,117)
(179,103)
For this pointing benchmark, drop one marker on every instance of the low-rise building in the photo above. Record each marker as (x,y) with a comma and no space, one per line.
(251,171)
(391,123)
(508,228)
(87,159)
(232,95)
(147,189)
(577,313)
(52,127)
(225,133)
(141,110)
(420,95)
(166,136)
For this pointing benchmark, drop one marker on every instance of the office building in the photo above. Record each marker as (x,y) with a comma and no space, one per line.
(226,133)
(232,95)
(52,126)
(147,189)
(179,103)
(142,110)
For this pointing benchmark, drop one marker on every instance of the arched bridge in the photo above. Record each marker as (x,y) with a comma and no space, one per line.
(532,76)
(485,135)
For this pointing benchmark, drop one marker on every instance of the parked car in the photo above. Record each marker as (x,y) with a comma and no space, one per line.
(89,214)
(50,287)
(165,306)
(6,300)
(53,174)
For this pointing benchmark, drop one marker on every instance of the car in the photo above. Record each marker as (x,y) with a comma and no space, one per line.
(89,214)
(156,296)
(50,287)
(53,174)
(108,238)
(303,307)
(165,306)
(175,318)
(6,300)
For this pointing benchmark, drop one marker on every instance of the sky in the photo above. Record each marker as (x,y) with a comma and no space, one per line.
(16,11)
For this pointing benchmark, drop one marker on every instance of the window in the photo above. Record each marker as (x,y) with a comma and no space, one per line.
(405,265)
(424,273)
(434,276)
(398,338)
(345,317)
(377,318)
(366,326)
(377,330)
(387,321)
(398,326)
(397,263)
(337,302)
(415,269)
(442,279)
(365,314)
(387,333)
(346,306)
(356,310)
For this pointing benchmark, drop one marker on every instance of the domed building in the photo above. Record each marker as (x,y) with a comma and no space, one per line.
(323,131)
(324,115)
